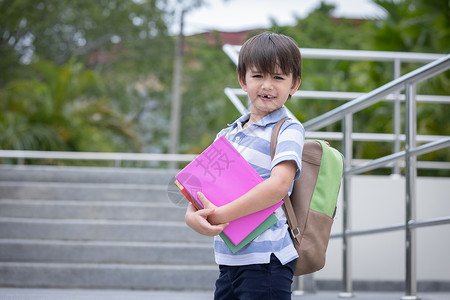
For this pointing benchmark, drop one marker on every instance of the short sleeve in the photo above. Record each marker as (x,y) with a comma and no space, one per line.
(290,145)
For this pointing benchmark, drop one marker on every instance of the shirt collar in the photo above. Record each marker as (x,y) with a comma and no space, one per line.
(273,117)
(242,119)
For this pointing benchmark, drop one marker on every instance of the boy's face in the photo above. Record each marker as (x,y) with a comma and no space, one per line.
(267,92)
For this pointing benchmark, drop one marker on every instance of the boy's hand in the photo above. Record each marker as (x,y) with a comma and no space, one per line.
(197,220)
(212,217)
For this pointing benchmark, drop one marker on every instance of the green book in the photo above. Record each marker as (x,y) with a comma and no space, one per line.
(269,222)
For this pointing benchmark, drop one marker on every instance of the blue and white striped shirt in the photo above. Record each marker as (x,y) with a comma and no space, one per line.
(253,143)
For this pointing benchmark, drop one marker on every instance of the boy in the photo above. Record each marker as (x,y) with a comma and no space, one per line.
(269,70)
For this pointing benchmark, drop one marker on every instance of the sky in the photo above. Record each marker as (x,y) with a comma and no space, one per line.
(236,15)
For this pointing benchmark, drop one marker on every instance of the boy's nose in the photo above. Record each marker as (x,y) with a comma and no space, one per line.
(267,84)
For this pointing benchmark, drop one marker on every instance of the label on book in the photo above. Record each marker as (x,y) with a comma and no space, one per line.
(223,175)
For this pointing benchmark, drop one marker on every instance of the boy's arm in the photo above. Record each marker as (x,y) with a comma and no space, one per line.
(267,193)
(197,220)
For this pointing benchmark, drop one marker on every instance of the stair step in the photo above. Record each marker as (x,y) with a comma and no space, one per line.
(84,191)
(109,230)
(81,209)
(84,227)
(117,276)
(85,174)
(58,251)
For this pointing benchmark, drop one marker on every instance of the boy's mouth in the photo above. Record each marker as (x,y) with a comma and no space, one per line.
(267,97)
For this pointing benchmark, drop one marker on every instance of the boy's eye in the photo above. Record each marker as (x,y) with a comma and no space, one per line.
(257,76)
(279,77)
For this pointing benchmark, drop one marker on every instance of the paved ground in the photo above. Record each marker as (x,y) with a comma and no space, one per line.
(60,294)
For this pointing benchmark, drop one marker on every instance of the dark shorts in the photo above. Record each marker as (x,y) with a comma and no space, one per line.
(270,281)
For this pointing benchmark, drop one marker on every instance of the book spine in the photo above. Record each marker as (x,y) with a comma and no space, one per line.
(186,194)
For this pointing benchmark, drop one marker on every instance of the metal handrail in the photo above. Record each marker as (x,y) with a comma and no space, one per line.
(95,155)
(376,95)
(102,156)
(316,53)
(382,161)
(333,95)
(370,137)
(397,227)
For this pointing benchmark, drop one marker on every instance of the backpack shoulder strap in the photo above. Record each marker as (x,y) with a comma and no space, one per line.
(287,204)
(274,138)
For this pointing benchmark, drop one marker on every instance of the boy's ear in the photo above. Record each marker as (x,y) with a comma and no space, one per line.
(243,84)
(295,85)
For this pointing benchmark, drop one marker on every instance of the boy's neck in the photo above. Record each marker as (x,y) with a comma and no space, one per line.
(245,123)
(250,121)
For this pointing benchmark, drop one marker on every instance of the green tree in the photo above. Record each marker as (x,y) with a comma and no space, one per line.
(205,107)
(58,30)
(61,108)
(124,42)
(414,25)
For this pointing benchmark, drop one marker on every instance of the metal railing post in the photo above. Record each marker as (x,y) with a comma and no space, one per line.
(410,195)
(347,128)
(397,116)
(299,289)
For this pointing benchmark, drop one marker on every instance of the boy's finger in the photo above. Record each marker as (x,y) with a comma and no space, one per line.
(202,198)
(223,226)
(217,229)
(205,212)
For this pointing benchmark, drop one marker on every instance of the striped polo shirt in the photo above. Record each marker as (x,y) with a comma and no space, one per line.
(253,143)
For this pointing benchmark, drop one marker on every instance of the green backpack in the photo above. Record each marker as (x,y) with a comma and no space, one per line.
(312,205)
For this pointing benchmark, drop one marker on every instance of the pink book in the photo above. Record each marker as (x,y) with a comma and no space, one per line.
(223,175)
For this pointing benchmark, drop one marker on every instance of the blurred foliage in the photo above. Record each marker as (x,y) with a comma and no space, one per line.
(94,68)
(205,107)
(97,75)
(62,108)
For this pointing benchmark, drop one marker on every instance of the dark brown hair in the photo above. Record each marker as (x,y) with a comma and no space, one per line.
(266,52)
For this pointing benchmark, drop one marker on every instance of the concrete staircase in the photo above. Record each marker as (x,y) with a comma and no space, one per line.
(84,227)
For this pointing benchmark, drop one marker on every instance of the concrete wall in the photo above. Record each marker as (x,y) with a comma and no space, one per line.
(380,201)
